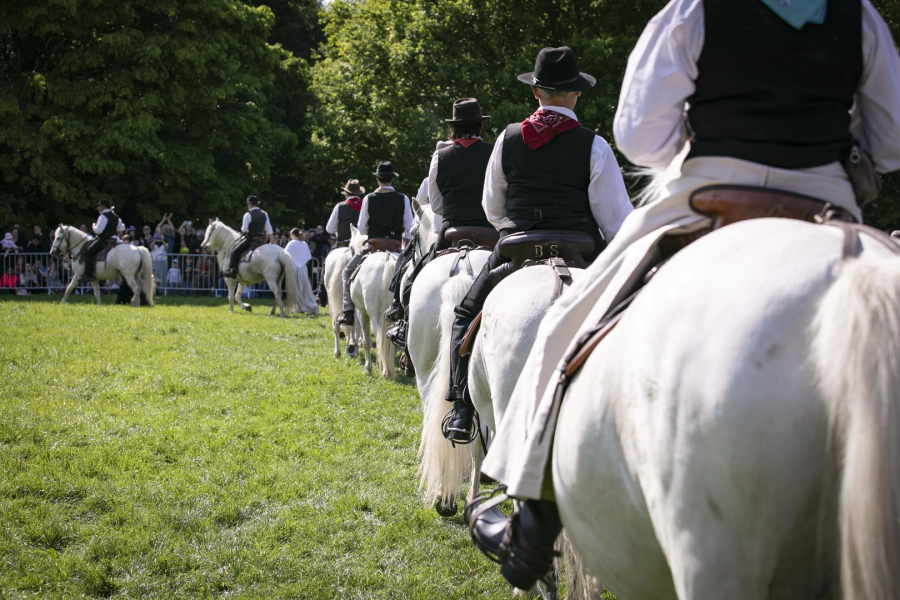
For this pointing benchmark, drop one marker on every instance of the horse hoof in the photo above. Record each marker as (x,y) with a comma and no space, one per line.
(446,511)
(351,350)
(248,308)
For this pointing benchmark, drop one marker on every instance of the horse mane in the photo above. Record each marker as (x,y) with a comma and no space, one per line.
(220,231)
(657,186)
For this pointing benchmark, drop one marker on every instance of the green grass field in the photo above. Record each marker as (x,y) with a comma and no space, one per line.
(181,451)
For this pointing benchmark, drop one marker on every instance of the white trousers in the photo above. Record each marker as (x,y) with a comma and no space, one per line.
(519,453)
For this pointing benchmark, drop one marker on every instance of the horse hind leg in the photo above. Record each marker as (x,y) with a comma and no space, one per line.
(275,286)
(96,285)
(367,337)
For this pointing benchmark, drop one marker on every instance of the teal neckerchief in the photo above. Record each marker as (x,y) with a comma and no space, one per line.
(798,13)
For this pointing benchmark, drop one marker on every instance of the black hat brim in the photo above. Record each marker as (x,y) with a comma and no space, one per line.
(582,83)
(474,120)
(386,175)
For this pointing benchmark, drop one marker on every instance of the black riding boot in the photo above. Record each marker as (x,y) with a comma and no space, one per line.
(90,252)
(522,544)
(459,423)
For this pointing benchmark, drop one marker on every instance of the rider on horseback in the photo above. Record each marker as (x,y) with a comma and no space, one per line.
(106,227)
(254,226)
(345,213)
(385,213)
(742,68)
(455,188)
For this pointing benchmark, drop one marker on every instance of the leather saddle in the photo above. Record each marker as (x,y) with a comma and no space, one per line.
(383,245)
(570,246)
(728,204)
(478,236)
(100,256)
(255,242)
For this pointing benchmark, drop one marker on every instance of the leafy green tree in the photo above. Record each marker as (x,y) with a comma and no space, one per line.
(158,105)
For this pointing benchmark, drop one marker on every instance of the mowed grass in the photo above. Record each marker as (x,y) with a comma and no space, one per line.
(182,451)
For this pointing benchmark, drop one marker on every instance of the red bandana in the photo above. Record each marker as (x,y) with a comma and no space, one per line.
(465,142)
(355,202)
(540,128)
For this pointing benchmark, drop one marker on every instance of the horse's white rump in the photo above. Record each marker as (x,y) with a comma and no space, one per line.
(371,296)
(335,262)
(698,454)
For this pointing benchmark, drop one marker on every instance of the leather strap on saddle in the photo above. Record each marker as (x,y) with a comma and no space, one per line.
(101,254)
(570,246)
(383,245)
(478,236)
(728,204)
(469,339)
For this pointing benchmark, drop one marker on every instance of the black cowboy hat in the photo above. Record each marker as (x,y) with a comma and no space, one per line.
(105,203)
(353,188)
(556,69)
(385,171)
(467,110)
(252,200)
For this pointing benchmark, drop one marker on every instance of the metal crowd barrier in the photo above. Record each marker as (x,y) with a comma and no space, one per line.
(175,275)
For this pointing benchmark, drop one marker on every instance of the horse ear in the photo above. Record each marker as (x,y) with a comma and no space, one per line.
(353,229)
(210,222)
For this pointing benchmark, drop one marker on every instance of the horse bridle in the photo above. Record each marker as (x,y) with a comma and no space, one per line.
(71,249)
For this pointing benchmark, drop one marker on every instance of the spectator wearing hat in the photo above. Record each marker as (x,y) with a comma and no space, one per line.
(346,213)
(385,213)
(105,228)
(8,245)
(254,225)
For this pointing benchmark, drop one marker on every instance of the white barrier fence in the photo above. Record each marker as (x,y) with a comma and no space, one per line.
(175,274)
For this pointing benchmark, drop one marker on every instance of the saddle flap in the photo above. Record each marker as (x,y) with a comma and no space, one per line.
(384,245)
(480,236)
(728,204)
(571,246)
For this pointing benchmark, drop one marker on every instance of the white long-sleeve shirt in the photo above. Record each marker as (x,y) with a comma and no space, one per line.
(422,197)
(332,225)
(245,224)
(299,251)
(649,127)
(606,192)
(102,220)
(363,224)
(435,197)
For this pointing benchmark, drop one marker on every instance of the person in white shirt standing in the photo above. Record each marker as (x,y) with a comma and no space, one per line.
(385,213)
(300,254)
(254,225)
(767,90)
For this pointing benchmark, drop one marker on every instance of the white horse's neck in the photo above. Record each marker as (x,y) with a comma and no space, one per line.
(223,236)
(74,237)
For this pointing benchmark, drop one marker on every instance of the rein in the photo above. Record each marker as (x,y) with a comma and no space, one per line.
(67,229)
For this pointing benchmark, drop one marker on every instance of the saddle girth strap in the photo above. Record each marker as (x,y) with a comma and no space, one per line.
(462,255)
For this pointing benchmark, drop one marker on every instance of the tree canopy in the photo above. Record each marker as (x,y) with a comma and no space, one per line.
(187,106)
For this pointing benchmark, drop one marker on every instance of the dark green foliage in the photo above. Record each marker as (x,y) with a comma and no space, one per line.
(159,105)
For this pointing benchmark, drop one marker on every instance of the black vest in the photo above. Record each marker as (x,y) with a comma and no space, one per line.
(347,216)
(771,94)
(112,223)
(548,187)
(386,215)
(460,178)
(257,225)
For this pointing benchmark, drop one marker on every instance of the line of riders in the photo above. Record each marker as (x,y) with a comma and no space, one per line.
(791,105)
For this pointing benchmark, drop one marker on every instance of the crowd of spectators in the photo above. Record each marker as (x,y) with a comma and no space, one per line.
(180,265)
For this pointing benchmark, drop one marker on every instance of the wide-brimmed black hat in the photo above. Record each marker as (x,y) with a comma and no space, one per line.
(385,171)
(467,110)
(353,188)
(105,203)
(556,69)
(252,200)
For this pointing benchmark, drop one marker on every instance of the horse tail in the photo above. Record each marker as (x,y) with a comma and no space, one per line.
(857,351)
(292,301)
(147,274)
(384,348)
(443,468)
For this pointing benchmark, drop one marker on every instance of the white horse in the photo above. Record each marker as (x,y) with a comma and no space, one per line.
(270,263)
(371,296)
(131,262)
(335,262)
(737,435)
(439,288)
